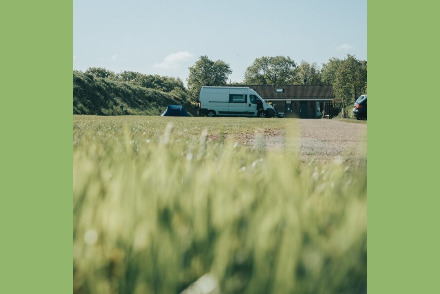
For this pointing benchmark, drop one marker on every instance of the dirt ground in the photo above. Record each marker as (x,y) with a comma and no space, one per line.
(319,139)
(333,139)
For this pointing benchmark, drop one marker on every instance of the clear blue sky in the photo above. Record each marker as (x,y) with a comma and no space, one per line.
(166,37)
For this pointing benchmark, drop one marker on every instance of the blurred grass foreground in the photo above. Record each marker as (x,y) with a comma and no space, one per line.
(162,213)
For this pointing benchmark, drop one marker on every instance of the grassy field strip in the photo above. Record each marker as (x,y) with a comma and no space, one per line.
(159,205)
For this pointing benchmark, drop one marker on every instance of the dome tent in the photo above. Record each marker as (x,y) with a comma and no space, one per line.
(175,110)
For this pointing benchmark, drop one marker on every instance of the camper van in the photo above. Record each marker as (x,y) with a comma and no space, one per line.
(233,101)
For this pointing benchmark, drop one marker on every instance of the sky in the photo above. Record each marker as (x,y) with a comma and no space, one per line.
(166,37)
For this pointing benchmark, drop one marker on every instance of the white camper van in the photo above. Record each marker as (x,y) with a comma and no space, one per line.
(233,101)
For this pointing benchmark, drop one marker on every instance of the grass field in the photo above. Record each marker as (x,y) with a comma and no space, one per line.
(161,202)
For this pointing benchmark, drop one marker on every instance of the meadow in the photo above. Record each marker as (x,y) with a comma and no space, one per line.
(162,202)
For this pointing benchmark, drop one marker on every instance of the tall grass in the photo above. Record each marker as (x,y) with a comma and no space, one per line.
(155,211)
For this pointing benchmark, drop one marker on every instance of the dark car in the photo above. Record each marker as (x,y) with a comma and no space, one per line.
(360,107)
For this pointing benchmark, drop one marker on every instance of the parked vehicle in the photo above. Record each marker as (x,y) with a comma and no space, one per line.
(360,107)
(233,101)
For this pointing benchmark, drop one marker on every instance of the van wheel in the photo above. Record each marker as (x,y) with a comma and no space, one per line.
(261,114)
(211,113)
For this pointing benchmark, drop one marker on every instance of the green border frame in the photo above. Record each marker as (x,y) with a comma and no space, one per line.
(36,147)
(403,242)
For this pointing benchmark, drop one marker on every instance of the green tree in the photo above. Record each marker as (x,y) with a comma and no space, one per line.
(100,72)
(309,74)
(276,70)
(329,69)
(364,71)
(206,72)
(350,79)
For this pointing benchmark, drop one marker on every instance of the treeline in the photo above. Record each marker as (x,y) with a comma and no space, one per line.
(102,92)
(347,76)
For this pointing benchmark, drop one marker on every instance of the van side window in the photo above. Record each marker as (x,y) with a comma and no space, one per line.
(237,98)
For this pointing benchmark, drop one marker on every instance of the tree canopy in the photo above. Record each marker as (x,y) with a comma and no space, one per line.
(161,83)
(347,76)
(309,74)
(206,72)
(350,79)
(329,69)
(276,70)
(157,82)
(100,72)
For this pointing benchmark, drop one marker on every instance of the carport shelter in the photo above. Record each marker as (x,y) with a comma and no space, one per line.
(303,101)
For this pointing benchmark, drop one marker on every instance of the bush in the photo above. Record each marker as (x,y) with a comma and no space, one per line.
(106,96)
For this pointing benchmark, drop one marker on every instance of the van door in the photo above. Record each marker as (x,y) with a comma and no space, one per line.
(238,104)
(215,99)
(254,105)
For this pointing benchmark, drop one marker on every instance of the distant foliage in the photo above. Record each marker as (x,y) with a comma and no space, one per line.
(100,72)
(309,74)
(278,70)
(206,72)
(347,76)
(161,83)
(329,69)
(350,80)
(101,92)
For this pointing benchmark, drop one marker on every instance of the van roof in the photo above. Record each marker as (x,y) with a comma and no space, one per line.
(225,87)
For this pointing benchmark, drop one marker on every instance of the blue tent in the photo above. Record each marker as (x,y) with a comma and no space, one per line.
(175,110)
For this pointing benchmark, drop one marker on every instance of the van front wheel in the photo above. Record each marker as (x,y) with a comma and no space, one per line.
(261,113)
(211,113)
